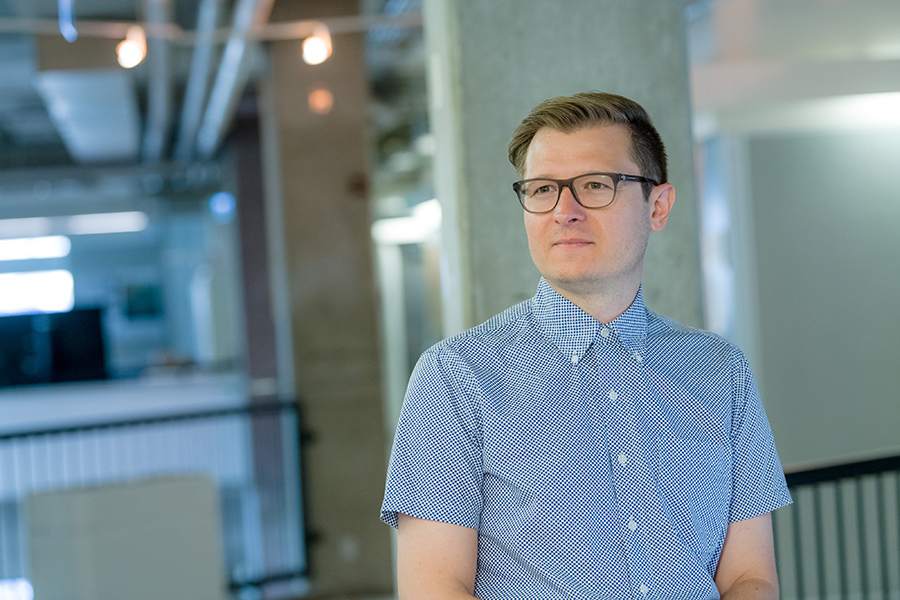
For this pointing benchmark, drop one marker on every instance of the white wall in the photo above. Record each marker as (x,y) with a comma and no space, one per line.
(827,255)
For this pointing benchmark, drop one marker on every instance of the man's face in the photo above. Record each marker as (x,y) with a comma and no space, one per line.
(581,250)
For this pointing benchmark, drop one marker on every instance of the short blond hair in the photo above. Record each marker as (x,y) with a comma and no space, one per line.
(572,113)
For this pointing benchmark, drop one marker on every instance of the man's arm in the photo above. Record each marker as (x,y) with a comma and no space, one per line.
(746,569)
(435,560)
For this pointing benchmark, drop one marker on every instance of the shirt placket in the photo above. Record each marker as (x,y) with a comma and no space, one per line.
(632,477)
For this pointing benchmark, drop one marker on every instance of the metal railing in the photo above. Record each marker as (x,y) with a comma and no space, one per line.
(841,537)
(251,453)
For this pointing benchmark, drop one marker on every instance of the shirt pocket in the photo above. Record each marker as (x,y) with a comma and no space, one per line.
(695,481)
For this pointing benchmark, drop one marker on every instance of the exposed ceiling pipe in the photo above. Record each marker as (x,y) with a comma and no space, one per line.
(286,30)
(198,80)
(295,30)
(159,100)
(232,75)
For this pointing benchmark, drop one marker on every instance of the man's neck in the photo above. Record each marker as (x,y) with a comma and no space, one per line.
(605,304)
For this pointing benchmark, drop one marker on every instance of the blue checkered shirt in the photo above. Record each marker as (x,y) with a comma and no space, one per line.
(595,461)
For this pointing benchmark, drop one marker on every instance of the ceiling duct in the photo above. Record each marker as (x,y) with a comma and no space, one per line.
(159,92)
(232,75)
(91,101)
(198,80)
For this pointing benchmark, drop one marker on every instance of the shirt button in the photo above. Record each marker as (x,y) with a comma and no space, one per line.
(613,395)
(632,524)
(644,590)
(605,332)
(574,359)
(623,458)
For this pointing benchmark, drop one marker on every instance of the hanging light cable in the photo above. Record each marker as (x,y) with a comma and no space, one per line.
(66,26)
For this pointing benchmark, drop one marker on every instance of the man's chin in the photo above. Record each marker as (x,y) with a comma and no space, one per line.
(577,283)
(589,283)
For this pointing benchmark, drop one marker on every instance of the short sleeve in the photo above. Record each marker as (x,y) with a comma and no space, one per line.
(435,470)
(758,478)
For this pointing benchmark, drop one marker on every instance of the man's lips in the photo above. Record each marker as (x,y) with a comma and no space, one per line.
(572,242)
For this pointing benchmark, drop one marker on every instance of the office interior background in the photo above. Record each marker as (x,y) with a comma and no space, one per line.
(219,265)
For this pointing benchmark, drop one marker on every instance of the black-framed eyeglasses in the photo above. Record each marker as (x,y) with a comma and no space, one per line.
(591,190)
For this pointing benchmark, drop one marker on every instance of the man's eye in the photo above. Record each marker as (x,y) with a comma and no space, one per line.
(543,189)
(595,185)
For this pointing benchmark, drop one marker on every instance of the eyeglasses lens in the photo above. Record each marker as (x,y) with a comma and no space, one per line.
(592,191)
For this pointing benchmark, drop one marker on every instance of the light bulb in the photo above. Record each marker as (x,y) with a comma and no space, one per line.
(132,50)
(317,47)
(315,50)
(130,53)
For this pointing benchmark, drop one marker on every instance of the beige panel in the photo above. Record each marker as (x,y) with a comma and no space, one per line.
(144,540)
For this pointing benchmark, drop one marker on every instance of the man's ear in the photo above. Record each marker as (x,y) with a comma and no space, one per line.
(661,200)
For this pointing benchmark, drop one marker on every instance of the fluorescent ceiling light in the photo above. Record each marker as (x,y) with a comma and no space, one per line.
(36,292)
(424,223)
(122,222)
(54,246)
(838,113)
(16,589)
(32,227)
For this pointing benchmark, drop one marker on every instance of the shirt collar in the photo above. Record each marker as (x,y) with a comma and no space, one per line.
(572,330)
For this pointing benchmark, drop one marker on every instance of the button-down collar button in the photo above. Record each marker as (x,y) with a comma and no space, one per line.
(613,395)
(623,458)
(638,358)
(632,524)
(605,332)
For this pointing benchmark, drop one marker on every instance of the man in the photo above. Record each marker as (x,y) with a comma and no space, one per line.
(577,445)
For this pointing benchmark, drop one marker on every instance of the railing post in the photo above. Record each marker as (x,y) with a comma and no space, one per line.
(798,551)
(897,499)
(841,539)
(882,540)
(861,540)
(775,519)
(820,544)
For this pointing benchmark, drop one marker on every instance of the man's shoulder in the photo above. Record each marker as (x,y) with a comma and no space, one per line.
(666,331)
(662,325)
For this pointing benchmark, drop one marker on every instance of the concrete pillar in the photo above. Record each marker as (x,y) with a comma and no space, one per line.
(323,172)
(490,62)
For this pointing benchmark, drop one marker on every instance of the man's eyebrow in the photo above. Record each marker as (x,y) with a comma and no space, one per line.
(543,176)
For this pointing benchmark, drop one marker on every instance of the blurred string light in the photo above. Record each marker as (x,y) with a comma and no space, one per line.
(53,246)
(132,50)
(320,100)
(317,48)
(66,26)
(221,207)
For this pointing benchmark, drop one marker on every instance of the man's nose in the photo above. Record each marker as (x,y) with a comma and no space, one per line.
(568,208)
